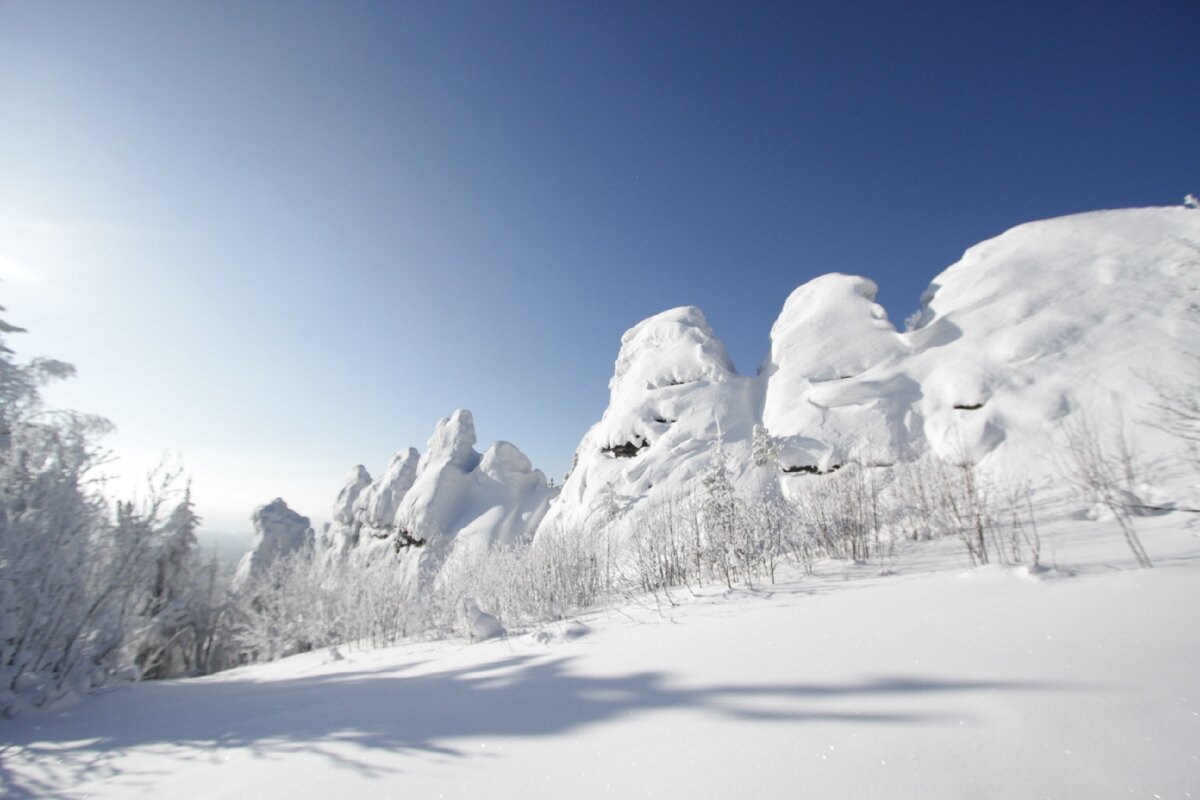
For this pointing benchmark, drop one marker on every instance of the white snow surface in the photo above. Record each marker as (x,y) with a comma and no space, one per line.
(278,531)
(932,682)
(1080,314)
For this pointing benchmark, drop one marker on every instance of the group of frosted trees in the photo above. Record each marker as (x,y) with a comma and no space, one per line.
(89,593)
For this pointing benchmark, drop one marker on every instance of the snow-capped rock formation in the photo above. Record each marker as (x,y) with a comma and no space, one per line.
(831,390)
(278,531)
(342,533)
(1082,314)
(673,395)
(424,508)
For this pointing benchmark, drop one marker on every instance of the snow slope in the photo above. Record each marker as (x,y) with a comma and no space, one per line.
(933,682)
(1082,315)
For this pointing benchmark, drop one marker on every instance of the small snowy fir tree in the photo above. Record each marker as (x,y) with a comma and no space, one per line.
(722,513)
(1191,201)
(765,447)
(167,645)
(611,505)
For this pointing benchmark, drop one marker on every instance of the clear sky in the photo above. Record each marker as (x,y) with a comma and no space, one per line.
(279,239)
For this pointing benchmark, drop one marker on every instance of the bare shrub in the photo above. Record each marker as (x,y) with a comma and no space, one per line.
(1103,469)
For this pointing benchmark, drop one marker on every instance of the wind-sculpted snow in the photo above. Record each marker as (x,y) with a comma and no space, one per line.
(1084,314)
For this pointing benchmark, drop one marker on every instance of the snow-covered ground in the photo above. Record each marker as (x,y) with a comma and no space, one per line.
(932,681)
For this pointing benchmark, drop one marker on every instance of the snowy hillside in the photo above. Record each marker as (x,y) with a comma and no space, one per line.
(932,682)
(1077,317)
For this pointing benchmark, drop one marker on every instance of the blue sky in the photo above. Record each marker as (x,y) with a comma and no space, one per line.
(281,239)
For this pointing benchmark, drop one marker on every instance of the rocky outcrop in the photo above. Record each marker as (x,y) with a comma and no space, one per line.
(278,532)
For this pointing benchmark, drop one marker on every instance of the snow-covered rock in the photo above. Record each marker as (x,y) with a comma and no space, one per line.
(832,393)
(425,507)
(378,505)
(674,393)
(1077,315)
(1082,313)
(341,533)
(278,531)
(1085,314)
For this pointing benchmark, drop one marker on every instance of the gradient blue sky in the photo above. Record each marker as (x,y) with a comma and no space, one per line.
(281,239)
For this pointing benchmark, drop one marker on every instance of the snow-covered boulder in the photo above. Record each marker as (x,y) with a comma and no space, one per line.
(278,531)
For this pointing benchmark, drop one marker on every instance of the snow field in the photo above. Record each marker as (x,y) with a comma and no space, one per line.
(934,681)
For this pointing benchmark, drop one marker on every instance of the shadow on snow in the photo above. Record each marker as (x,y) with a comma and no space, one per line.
(389,710)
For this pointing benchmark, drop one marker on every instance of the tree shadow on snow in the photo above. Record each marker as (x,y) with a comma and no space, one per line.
(390,710)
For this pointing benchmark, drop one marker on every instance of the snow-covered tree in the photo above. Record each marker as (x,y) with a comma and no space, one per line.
(723,518)
(172,610)
(86,599)
(764,447)
(63,610)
